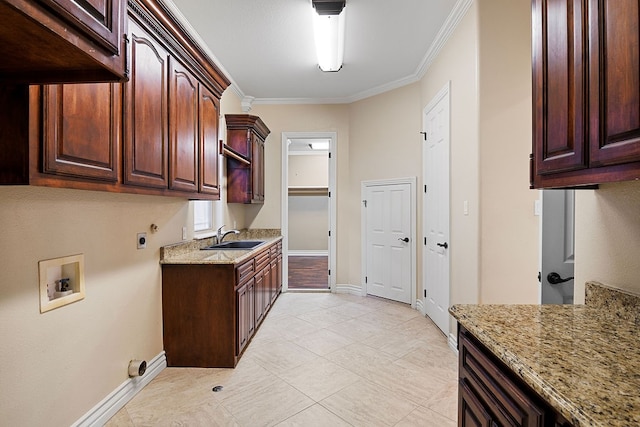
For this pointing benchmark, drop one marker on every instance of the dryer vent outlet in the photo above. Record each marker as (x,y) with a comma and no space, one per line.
(137,368)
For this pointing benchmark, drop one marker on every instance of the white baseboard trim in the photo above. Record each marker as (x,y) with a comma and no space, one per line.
(453,342)
(349,289)
(308,253)
(110,405)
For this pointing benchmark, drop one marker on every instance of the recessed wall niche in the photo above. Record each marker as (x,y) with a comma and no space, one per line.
(61,281)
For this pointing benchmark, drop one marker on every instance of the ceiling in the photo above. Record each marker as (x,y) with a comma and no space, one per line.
(267,49)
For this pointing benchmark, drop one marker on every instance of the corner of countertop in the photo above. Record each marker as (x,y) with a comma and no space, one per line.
(625,305)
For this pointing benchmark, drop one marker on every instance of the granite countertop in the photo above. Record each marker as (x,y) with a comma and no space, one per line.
(583,359)
(190,253)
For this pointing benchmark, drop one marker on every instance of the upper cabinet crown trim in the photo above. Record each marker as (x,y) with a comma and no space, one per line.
(244,121)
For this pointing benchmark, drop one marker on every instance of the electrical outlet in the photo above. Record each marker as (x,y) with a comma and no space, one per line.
(184,233)
(142,240)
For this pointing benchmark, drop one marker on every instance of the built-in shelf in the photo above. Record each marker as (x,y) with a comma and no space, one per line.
(230,152)
(308,191)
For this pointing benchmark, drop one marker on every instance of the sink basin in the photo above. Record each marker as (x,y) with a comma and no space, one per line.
(237,244)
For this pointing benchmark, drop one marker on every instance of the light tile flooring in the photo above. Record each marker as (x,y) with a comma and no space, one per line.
(319,359)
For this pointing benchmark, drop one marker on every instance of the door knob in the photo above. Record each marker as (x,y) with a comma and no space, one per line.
(406,239)
(443,245)
(555,279)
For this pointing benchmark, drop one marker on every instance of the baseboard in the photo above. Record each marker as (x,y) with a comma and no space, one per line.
(110,405)
(453,342)
(349,289)
(308,253)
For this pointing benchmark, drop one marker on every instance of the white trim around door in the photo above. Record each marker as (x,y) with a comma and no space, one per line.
(333,137)
(412,181)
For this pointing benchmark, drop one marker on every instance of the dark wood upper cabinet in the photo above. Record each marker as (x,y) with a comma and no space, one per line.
(146,98)
(156,134)
(614,87)
(183,128)
(77,144)
(246,135)
(209,110)
(62,41)
(559,78)
(586,92)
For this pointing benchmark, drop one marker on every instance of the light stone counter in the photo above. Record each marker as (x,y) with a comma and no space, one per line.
(583,359)
(190,252)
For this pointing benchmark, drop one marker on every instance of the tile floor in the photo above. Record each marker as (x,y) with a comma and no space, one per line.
(319,359)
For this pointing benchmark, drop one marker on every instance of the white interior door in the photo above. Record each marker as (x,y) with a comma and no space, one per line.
(436,210)
(557,246)
(389,241)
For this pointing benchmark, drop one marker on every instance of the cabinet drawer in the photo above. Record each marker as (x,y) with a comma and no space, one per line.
(262,259)
(244,272)
(509,402)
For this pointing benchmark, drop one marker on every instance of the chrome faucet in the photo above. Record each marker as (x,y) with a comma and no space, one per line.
(220,235)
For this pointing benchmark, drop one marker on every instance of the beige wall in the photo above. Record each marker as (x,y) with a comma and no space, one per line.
(457,63)
(308,223)
(607,233)
(384,142)
(308,215)
(59,364)
(309,170)
(508,229)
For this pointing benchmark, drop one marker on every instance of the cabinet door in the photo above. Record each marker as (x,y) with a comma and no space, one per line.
(183,128)
(266,289)
(273,289)
(559,79)
(257,169)
(259,303)
(614,81)
(242,304)
(471,412)
(81,130)
(209,145)
(146,136)
(99,19)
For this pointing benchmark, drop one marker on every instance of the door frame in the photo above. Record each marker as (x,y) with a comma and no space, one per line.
(412,181)
(333,137)
(444,92)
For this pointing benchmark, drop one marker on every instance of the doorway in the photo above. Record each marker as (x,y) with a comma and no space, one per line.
(436,121)
(389,239)
(308,210)
(557,247)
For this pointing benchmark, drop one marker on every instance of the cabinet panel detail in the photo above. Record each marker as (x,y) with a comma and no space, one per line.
(209,143)
(76,143)
(146,138)
(559,77)
(615,82)
(183,125)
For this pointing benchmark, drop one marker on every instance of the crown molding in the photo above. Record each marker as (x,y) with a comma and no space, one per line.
(457,13)
(187,27)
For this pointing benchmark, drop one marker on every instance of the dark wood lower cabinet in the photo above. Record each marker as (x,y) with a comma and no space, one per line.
(210,312)
(489,393)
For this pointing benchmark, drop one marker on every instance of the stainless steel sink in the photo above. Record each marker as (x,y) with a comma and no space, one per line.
(236,244)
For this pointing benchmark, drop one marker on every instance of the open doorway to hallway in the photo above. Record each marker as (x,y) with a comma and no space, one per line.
(308,212)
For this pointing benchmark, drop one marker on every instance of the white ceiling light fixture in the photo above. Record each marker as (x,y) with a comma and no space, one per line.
(329,23)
